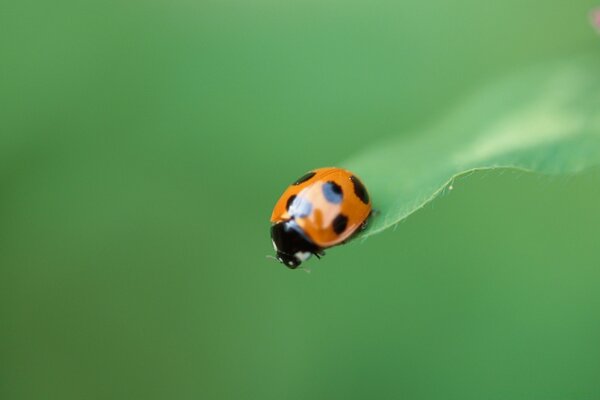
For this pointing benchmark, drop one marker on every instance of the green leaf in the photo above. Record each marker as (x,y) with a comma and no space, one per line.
(545,120)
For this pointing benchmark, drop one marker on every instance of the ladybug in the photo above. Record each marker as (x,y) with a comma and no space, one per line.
(323,208)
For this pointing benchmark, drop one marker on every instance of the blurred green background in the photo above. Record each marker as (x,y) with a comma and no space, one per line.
(143,145)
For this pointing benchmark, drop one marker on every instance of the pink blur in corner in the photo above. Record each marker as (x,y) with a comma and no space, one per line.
(595,19)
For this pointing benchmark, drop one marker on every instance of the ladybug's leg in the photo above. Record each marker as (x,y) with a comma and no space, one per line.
(319,253)
(365,223)
(361,228)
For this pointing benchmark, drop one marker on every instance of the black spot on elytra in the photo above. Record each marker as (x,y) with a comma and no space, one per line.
(339,223)
(333,192)
(360,190)
(289,202)
(304,178)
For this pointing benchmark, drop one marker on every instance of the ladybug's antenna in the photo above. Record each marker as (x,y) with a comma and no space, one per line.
(270,257)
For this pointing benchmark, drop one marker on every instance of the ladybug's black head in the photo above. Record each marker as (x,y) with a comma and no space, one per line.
(291,243)
(292,262)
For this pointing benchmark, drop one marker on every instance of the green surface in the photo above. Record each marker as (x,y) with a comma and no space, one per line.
(546,120)
(144,144)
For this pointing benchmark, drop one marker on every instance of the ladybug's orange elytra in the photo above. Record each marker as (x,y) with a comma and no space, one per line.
(323,208)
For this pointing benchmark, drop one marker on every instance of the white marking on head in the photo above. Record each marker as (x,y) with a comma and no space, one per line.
(291,263)
(274,245)
(302,256)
